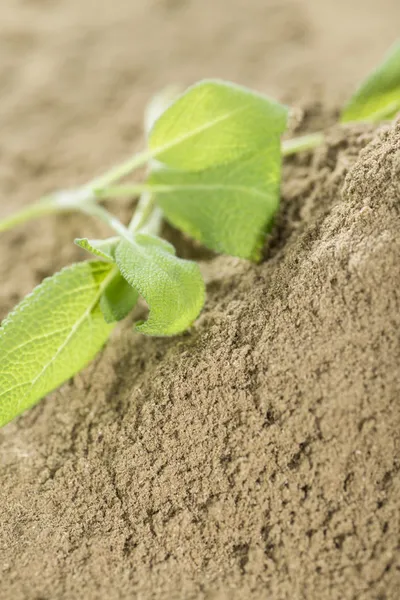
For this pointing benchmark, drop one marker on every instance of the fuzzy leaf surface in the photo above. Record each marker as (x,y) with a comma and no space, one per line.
(378,97)
(212,123)
(173,288)
(228,208)
(104,249)
(118,299)
(51,335)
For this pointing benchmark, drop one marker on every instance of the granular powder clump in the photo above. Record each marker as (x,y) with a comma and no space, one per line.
(256,457)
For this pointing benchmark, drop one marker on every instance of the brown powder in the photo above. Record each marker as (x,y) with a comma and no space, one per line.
(257,456)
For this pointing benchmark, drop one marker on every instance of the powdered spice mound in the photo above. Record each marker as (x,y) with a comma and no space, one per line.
(256,457)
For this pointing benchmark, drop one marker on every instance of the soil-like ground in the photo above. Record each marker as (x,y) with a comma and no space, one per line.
(257,456)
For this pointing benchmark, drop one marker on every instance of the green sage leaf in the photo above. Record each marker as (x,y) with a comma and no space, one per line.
(228,208)
(51,335)
(212,123)
(118,299)
(173,288)
(104,249)
(378,97)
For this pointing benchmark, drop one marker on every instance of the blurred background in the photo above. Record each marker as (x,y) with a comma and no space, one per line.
(75,76)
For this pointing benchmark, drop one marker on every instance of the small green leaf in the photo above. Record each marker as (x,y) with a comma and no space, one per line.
(378,97)
(104,249)
(229,208)
(173,288)
(118,299)
(212,123)
(51,335)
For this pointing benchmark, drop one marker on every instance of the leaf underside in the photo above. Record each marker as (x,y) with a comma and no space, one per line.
(51,335)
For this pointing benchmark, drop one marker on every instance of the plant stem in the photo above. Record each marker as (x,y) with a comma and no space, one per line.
(83,199)
(95,210)
(76,200)
(119,171)
(143,211)
(146,217)
(153,223)
(304,142)
(61,202)
(42,208)
(122,191)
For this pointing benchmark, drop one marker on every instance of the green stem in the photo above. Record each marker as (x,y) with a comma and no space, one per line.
(122,191)
(304,142)
(145,217)
(61,202)
(95,210)
(119,171)
(153,223)
(40,209)
(84,198)
(75,200)
(142,213)
(148,217)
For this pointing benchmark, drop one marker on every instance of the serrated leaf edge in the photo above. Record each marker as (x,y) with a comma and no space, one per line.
(75,328)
